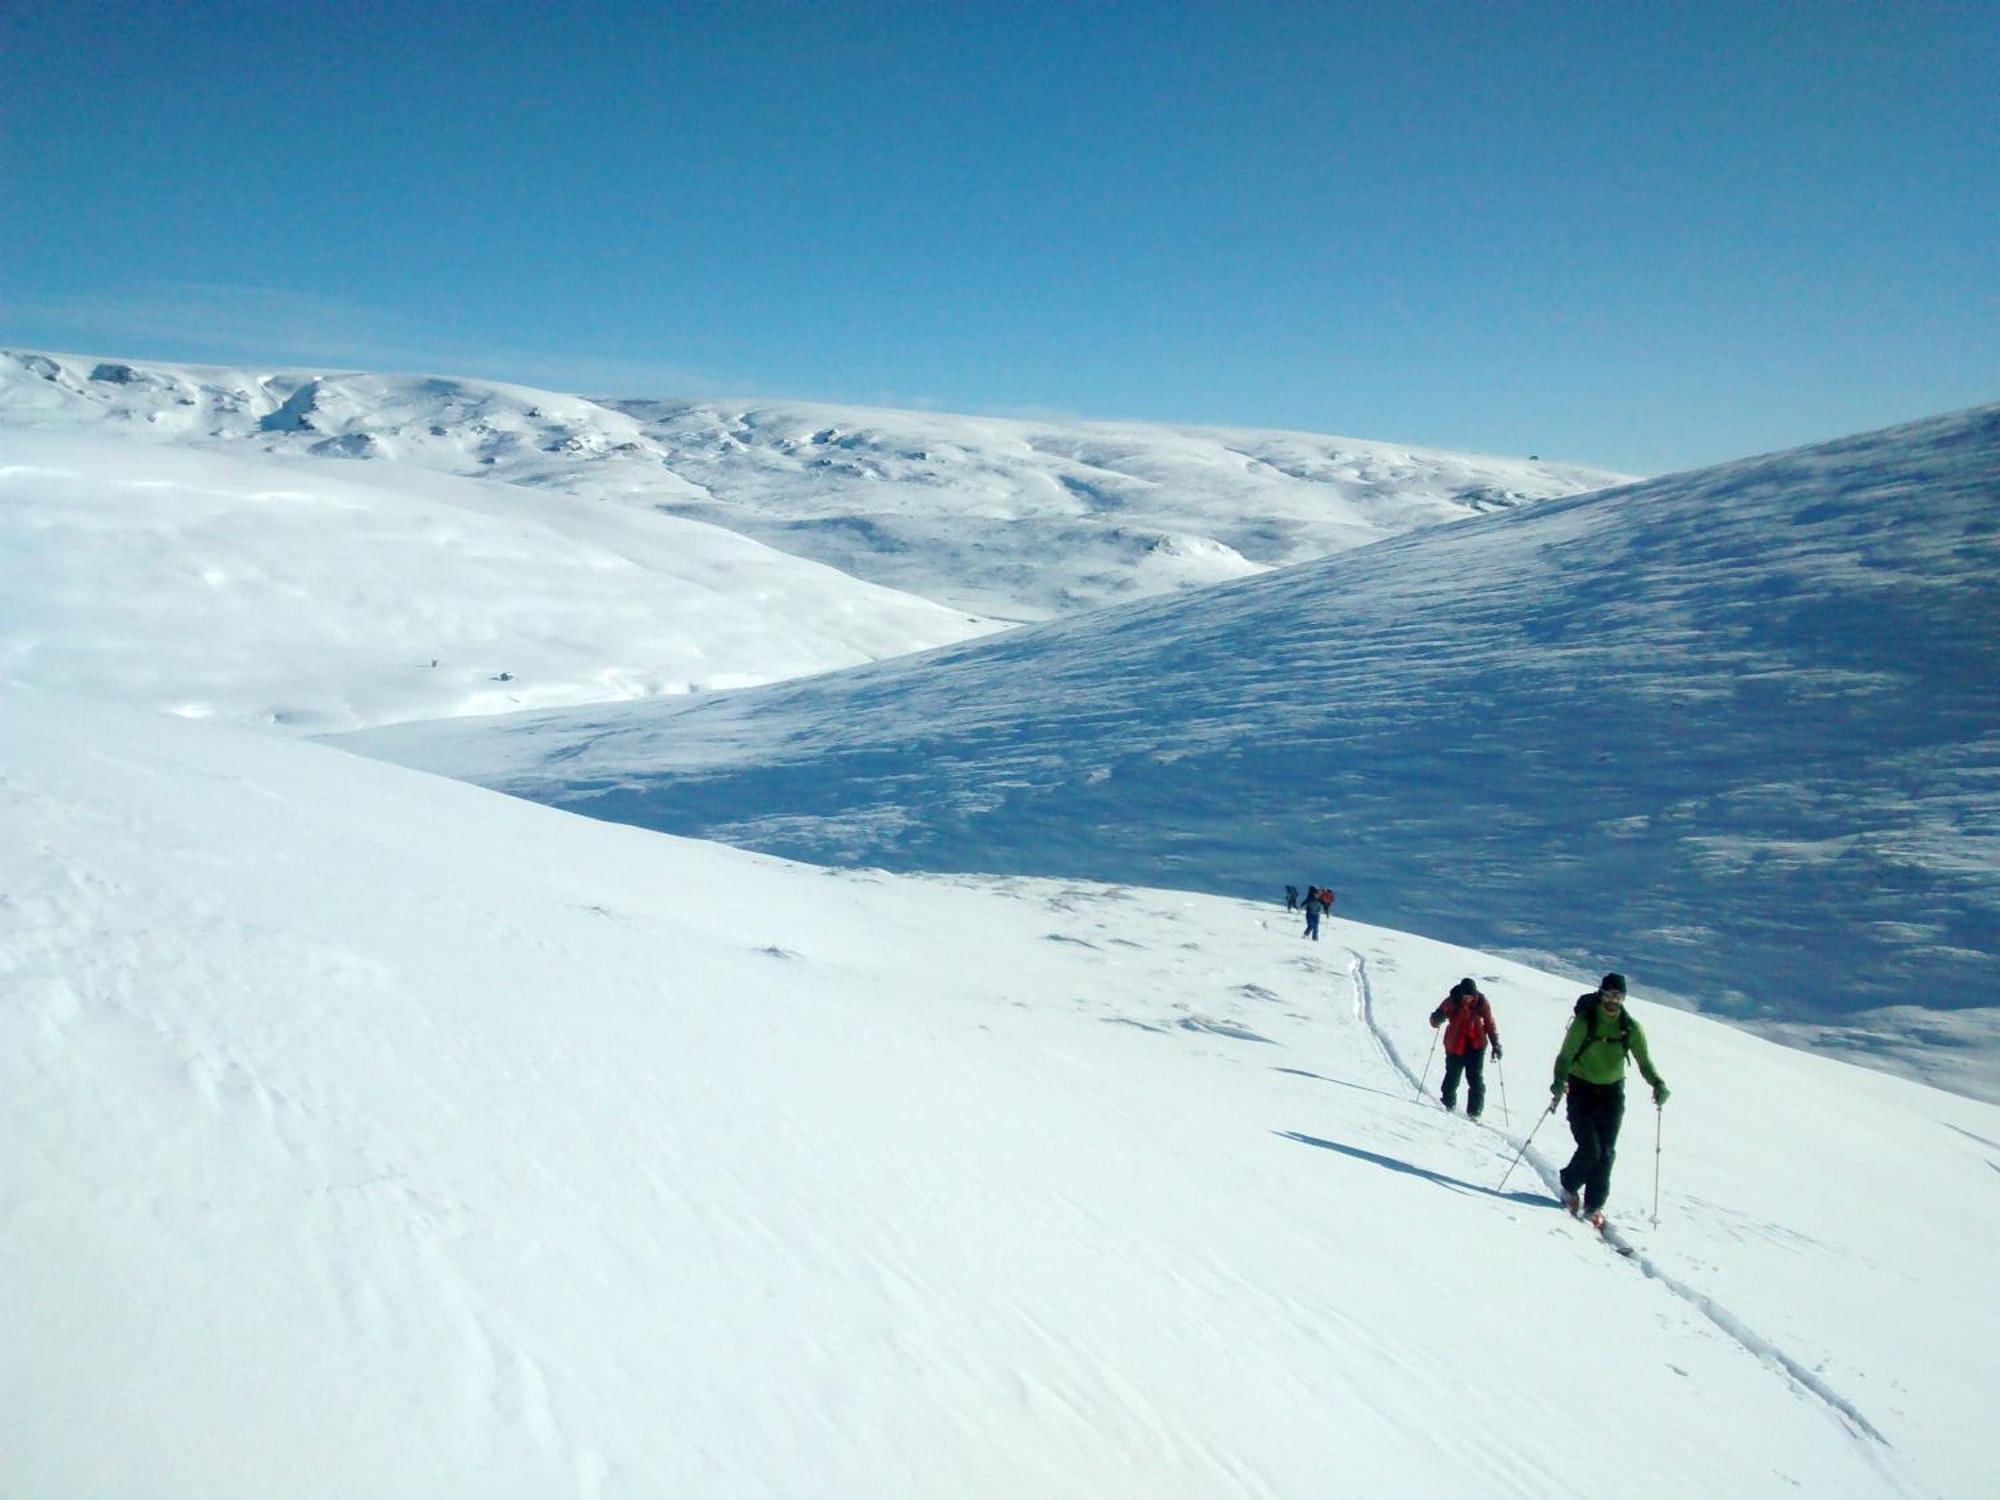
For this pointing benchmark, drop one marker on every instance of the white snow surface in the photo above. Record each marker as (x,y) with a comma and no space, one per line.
(1735,732)
(373,1134)
(990,516)
(316,595)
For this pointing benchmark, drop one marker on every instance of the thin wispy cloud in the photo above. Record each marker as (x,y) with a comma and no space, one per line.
(220,323)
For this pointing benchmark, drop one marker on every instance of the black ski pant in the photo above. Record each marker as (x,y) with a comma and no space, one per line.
(1596,1110)
(1472,1064)
(1312,923)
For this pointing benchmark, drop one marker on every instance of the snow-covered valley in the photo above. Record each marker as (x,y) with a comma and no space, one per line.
(1737,730)
(370,1132)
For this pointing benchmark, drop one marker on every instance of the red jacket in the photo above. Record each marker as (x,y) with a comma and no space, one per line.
(1469,1023)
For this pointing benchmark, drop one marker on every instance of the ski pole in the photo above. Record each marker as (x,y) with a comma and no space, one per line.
(1427,1063)
(1524,1145)
(1505,1113)
(1659,1118)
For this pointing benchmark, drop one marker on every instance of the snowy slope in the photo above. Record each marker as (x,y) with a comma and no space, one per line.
(1736,731)
(317,595)
(1021,520)
(375,1135)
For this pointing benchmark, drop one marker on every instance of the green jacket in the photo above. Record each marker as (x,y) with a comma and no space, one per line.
(1591,1051)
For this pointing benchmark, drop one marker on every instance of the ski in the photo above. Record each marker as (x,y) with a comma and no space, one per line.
(1573,1206)
(1609,1235)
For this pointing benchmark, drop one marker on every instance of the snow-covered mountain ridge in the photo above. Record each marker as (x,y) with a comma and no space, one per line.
(1007,518)
(1737,732)
(372,1134)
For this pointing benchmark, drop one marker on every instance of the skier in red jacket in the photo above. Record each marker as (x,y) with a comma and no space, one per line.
(1468,1025)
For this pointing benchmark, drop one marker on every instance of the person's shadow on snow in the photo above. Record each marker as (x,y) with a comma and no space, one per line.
(1375,1158)
(1341,1082)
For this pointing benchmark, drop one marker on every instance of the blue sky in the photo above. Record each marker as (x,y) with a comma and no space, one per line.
(1645,236)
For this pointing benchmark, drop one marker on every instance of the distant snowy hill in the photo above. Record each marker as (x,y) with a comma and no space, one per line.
(1012,519)
(368,1134)
(313,595)
(1737,732)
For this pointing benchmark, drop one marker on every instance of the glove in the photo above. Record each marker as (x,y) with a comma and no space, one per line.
(1556,1092)
(1659,1095)
(1496,1049)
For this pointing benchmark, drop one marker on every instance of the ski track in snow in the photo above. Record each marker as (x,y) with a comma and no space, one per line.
(1727,1322)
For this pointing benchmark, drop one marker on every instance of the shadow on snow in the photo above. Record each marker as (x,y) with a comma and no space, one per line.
(1375,1158)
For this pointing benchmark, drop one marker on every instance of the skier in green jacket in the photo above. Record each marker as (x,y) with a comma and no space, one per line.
(1590,1068)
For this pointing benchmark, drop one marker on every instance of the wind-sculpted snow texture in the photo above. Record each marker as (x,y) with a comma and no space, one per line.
(1736,732)
(1014,519)
(370,1134)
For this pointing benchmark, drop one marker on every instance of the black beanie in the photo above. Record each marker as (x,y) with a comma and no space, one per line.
(1465,987)
(1613,982)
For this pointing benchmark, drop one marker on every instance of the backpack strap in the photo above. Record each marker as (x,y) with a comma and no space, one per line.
(1590,1009)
